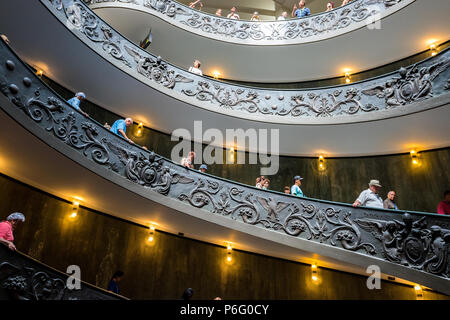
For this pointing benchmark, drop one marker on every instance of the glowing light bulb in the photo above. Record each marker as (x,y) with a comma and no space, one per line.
(73,215)
(229,258)
(314,278)
(417,287)
(150,239)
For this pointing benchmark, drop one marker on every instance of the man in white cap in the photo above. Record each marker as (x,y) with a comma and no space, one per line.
(7,227)
(370,197)
(75,102)
(295,189)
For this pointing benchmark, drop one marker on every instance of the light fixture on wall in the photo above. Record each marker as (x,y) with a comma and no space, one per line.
(415,158)
(139,130)
(231,154)
(419,292)
(433,48)
(75,207)
(216,74)
(229,250)
(321,162)
(347,75)
(39,72)
(151,234)
(314,273)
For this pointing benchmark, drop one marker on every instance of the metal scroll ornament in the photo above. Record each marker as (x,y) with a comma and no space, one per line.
(350,103)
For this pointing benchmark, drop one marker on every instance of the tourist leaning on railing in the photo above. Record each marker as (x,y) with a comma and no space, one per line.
(444,205)
(75,102)
(389,203)
(295,189)
(265,184)
(196,68)
(330,6)
(113,285)
(120,128)
(370,197)
(283,16)
(189,160)
(300,11)
(233,14)
(255,16)
(7,227)
(203,168)
(193,4)
(219,12)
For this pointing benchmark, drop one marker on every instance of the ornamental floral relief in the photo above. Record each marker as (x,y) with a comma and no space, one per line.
(417,241)
(319,24)
(407,86)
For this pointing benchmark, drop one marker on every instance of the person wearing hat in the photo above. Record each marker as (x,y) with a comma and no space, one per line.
(370,197)
(75,102)
(7,227)
(203,168)
(295,189)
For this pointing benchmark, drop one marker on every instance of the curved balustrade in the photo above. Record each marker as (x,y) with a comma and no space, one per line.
(355,15)
(391,95)
(412,244)
(23,278)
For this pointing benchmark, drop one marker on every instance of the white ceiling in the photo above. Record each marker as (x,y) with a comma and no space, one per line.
(402,34)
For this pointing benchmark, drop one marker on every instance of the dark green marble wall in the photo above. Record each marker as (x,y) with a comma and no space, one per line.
(101,244)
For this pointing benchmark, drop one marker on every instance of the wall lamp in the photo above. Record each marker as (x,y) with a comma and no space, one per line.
(229,250)
(216,74)
(419,292)
(75,207)
(322,165)
(151,233)
(314,273)
(139,130)
(433,49)
(347,77)
(414,158)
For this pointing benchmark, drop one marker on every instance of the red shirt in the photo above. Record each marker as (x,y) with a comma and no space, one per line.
(443,207)
(6,231)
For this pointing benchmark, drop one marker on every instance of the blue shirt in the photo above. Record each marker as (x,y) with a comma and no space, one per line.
(74,102)
(300,13)
(296,191)
(113,286)
(119,124)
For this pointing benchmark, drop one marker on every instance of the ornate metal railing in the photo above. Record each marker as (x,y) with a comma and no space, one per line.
(23,278)
(408,239)
(391,95)
(355,15)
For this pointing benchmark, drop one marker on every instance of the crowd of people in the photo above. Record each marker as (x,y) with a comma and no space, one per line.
(299,11)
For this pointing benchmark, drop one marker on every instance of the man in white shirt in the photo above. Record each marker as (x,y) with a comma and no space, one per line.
(233,14)
(283,16)
(370,197)
(196,68)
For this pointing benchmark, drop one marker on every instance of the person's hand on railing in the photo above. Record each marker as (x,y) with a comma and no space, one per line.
(9,244)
